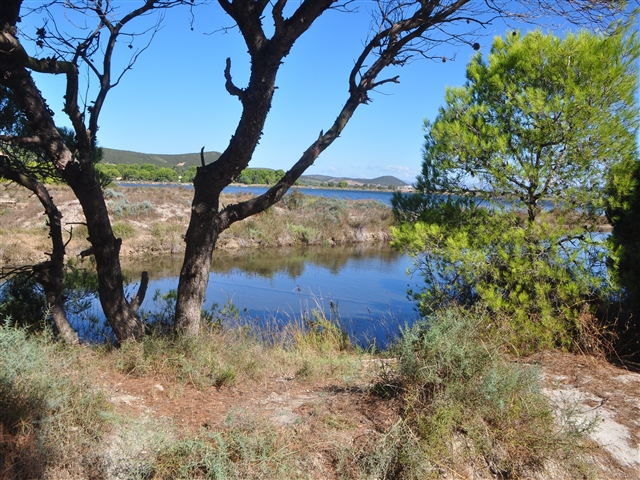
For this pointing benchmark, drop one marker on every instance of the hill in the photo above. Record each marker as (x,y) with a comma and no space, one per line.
(385,180)
(160,160)
(117,157)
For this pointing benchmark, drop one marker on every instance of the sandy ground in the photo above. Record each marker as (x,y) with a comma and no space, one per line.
(605,394)
(601,393)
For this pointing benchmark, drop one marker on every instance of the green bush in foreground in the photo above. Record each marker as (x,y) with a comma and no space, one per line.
(539,284)
(48,416)
(463,400)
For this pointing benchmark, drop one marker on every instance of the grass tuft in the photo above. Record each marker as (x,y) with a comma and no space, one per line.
(49,415)
(464,399)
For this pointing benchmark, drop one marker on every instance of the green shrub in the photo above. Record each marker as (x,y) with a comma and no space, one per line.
(48,415)
(121,207)
(459,388)
(23,304)
(123,230)
(244,450)
(541,283)
(305,234)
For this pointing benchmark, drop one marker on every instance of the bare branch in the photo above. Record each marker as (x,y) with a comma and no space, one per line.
(236,212)
(278,19)
(137,300)
(229,85)
(395,79)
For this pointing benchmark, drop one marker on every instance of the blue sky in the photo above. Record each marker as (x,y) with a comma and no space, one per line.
(174,100)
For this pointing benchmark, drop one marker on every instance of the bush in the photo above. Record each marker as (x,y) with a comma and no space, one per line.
(459,389)
(23,304)
(122,208)
(539,284)
(48,419)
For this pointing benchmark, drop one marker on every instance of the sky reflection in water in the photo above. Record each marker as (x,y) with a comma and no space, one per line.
(368,285)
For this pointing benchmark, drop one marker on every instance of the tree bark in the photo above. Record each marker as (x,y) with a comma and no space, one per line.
(122,318)
(194,276)
(52,277)
(48,274)
(78,172)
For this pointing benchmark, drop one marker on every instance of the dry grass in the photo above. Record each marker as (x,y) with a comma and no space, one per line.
(153,220)
(294,402)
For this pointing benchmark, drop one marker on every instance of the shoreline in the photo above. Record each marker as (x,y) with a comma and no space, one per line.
(133,183)
(153,222)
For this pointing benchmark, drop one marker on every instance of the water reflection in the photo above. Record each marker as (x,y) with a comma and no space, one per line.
(269,262)
(368,284)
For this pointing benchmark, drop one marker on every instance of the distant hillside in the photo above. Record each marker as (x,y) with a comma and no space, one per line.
(118,157)
(160,160)
(385,180)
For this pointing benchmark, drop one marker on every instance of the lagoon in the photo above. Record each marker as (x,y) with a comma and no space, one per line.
(366,284)
(383,196)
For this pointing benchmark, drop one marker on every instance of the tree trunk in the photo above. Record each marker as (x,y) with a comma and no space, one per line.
(201,240)
(207,223)
(52,278)
(49,274)
(122,318)
(53,292)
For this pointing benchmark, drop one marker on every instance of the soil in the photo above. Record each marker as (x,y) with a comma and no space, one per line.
(152,221)
(329,413)
(605,394)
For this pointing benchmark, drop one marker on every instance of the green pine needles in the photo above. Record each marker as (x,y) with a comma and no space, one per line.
(513,190)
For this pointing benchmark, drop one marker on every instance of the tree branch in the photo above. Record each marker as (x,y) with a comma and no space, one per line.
(21,141)
(236,212)
(230,86)
(278,19)
(137,300)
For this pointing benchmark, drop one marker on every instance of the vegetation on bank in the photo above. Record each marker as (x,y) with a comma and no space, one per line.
(448,400)
(147,172)
(153,220)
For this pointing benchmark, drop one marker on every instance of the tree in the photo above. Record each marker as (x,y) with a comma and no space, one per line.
(189,175)
(403,31)
(94,49)
(623,212)
(514,179)
(27,167)
(166,174)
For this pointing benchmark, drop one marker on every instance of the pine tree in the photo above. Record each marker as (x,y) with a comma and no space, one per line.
(514,180)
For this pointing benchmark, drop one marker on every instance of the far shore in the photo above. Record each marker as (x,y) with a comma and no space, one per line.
(407,189)
(153,222)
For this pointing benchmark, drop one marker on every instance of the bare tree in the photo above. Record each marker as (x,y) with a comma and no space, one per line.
(49,274)
(92,47)
(403,30)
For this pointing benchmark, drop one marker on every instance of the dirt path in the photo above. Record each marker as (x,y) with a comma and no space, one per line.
(281,400)
(335,414)
(603,393)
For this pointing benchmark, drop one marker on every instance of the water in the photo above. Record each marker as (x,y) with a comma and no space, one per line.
(381,196)
(367,285)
